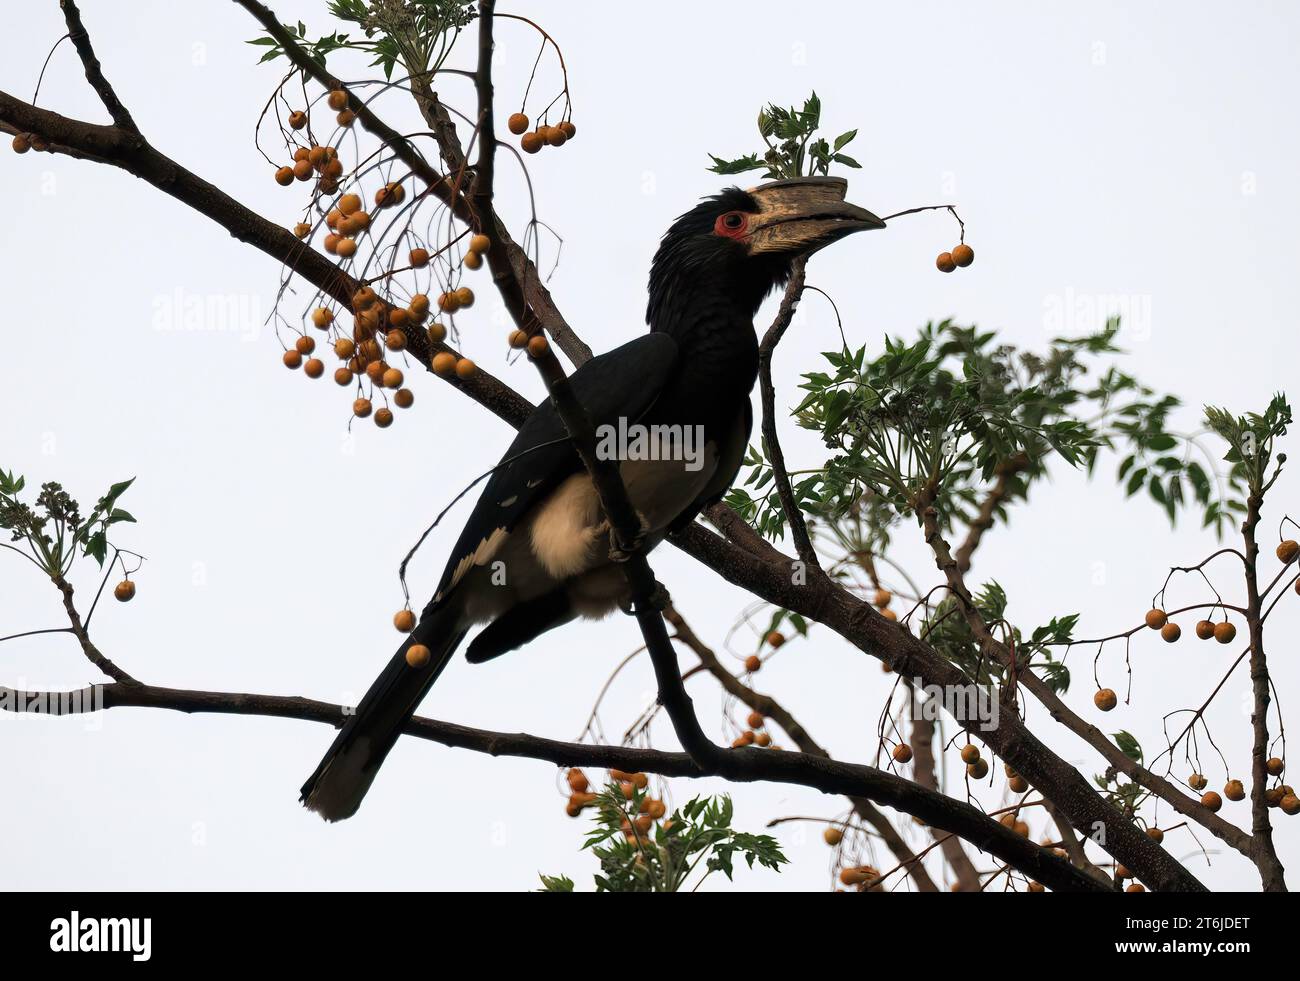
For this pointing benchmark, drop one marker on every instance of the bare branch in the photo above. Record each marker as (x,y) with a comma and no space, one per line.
(94,73)
(745,765)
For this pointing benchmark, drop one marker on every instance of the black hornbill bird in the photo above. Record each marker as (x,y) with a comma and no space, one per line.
(535,552)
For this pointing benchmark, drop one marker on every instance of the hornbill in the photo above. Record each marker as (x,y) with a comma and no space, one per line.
(535,553)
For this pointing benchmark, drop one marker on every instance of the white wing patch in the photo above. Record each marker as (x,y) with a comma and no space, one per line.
(482,555)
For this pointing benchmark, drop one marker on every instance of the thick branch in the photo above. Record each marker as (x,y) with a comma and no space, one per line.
(746,765)
(132,153)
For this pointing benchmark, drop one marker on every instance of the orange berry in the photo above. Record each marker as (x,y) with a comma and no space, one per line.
(375,371)
(554,136)
(963,255)
(538,346)
(480,243)
(1170,632)
(832,836)
(970,753)
(1225,633)
(349,204)
(755,720)
(464,297)
(762,739)
(331,243)
(568,129)
(419,258)
(1017,784)
(465,369)
(1105,699)
(292,359)
(404,621)
(752,663)
(314,367)
(1287,551)
(1204,629)
(1156,835)
(322,318)
(337,99)
(1275,766)
(417,655)
(305,345)
(883,597)
(1290,804)
(518,339)
(1136,887)
(532,142)
(944,263)
(775,639)
(902,753)
(361,408)
(346,118)
(1196,781)
(890,615)
(22,143)
(444,364)
(317,156)
(393,378)
(301,230)
(473,260)
(419,303)
(437,332)
(284,176)
(404,398)
(1156,618)
(124,591)
(1234,790)
(302,170)
(343,376)
(517,123)
(1211,800)
(347,247)
(395,340)
(384,418)
(978,770)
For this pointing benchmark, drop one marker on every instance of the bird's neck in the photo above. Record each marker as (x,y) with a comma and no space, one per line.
(717,351)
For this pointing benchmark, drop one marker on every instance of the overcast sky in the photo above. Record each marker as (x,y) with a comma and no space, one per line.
(1105,157)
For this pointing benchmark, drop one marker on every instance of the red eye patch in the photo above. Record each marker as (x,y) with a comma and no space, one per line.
(733,224)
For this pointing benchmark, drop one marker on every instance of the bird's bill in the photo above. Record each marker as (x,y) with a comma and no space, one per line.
(803,215)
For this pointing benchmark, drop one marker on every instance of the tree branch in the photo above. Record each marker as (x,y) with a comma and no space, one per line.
(767,393)
(94,73)
(747,765)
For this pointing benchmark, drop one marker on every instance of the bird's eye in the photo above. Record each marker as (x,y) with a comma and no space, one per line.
(732,224)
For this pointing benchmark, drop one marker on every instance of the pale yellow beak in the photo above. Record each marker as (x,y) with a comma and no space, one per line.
(800,216)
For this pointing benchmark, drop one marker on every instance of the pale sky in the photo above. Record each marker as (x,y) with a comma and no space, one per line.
(1104,156)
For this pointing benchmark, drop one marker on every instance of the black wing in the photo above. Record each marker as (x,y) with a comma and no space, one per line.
(623,383)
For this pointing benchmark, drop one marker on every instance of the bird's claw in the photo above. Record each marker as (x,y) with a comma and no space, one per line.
(659,600)
(619,551)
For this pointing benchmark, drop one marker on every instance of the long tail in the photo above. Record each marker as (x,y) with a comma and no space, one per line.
(340,782)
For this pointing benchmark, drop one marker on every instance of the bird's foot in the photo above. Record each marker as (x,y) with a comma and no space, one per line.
(659,600)
(620,551)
